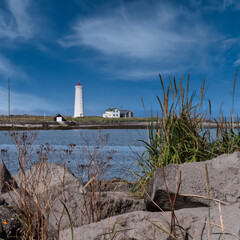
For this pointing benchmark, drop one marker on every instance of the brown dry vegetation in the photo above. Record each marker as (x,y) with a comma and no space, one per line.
(35,197)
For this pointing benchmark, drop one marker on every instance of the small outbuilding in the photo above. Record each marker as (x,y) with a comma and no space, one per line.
(59,118)
(126,114)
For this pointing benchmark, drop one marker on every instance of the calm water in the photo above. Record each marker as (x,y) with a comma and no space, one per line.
(124,142)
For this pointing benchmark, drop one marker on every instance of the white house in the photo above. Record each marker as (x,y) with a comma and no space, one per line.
(112,113)
(116,113)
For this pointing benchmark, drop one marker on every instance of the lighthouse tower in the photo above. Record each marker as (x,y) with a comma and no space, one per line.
(78,107)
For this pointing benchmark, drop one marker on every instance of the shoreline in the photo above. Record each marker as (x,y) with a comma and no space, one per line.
(71,125)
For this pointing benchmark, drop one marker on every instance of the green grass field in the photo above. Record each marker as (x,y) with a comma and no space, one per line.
(88,119)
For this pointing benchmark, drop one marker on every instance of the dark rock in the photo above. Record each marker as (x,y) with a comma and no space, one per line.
(72,123)
(10,225)
(115,203)
(20,203)
(2,200)
(7,183)
(224,178)
(117,184)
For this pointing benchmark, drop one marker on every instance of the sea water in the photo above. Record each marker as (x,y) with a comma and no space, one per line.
(120,150)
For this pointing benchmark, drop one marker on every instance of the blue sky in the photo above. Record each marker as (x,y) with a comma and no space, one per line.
(116,49)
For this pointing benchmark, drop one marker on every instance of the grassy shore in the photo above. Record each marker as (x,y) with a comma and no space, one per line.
(30,122)
(93,119)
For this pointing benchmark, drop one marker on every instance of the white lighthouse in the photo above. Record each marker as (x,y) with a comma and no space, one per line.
(78,107)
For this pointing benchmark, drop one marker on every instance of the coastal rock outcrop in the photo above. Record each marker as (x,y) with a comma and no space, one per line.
(224,181)
(49,177)
(141,225)
(17,204)
(83,208)
(107,214)
(61,186)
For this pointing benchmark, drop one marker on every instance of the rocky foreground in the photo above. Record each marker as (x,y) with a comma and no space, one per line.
(114,213)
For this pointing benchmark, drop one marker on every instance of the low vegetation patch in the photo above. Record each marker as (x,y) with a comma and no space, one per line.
(181,134)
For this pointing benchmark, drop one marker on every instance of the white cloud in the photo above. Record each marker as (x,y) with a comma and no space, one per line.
(84,4)
(166,37)
(8,69)
(16,22)
(157,36)
(22,103)
(231,4)
(222,5)
(230,42)
(237,63)
(143,74)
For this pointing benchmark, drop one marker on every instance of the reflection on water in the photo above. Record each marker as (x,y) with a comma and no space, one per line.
(124,142)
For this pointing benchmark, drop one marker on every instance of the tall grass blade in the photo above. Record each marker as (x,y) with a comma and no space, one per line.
(221,220)
(234,84)
(202,92)
(69,218)
(209,203)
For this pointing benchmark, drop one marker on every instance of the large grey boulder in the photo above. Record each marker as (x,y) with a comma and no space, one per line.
(39,189)
(50,178)
(48,185)
(53,184)
(141,225)
(105,204)
(7,183)
(224,179)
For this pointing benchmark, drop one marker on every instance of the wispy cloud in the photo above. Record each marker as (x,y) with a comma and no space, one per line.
(232,4)
(22,103)
(15,21)
(133,36)
(165,37)
(142,74)
(85,4)
(220,5)
(237,63)
(8,69)
(230,42)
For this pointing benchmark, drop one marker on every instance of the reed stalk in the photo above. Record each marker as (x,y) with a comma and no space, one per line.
(181,134)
